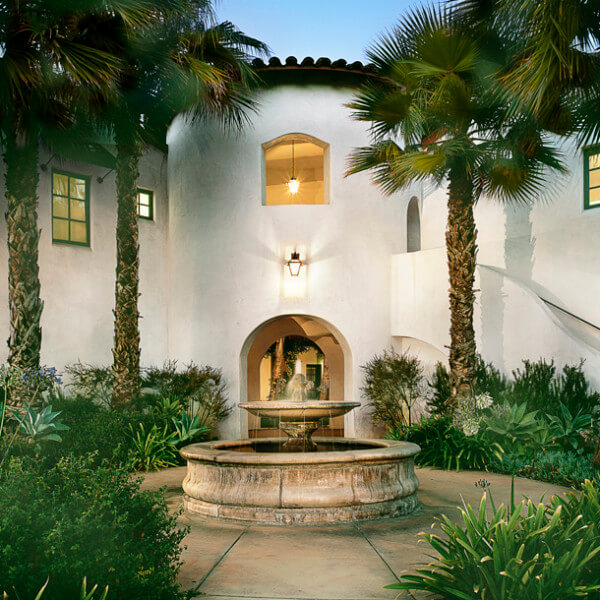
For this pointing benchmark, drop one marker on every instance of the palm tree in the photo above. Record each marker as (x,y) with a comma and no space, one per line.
(437,113)
(51,62)
(178,61)
(555,70)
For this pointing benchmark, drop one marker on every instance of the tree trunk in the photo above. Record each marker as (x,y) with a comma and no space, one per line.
(126,351)
(324,394)
(25,305)
(277,367)
(461,246)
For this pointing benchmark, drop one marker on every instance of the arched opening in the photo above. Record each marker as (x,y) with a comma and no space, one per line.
(269,359)
(295,170)
(413,226)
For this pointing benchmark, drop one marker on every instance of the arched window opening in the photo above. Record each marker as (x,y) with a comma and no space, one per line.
(295,170)
(413,226)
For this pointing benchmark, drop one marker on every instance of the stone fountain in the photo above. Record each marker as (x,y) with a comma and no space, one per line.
(302,480)
(299,417)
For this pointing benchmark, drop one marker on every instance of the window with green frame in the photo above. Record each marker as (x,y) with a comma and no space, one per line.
(591,177)
(70,208)
(145,204)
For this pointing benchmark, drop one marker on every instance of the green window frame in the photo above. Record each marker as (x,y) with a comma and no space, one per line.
(145,204)
(70,208)
(591,177)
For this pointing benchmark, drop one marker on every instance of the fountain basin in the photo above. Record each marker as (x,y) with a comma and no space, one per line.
(299,410)
(358,479)
(299,419)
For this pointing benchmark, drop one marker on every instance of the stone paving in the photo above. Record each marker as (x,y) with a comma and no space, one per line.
(238,561)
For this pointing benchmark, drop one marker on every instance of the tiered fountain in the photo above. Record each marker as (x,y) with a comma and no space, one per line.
(302,480)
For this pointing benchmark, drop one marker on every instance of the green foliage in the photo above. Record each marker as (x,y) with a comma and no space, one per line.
(513,426)
(188,428)
(567,429)
(79,519)
(89,381)
(527,551)
(393,383)
(441,388)
(554,466)
(544,389)
(488,380)
(152,450)
(84,594)
(445,446)
(38,426)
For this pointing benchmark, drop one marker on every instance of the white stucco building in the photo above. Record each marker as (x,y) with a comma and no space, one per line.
(215,286)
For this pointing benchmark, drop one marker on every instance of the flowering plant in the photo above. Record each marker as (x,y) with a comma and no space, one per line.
(470,412)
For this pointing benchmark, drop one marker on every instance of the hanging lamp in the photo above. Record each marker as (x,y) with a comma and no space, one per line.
(293,184)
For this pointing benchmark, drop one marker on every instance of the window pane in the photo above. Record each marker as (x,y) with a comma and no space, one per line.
(78,232)
(595,196)
(60,229)
(144,211)
(60,184)
(595,178)
(144,198)
(60,208)
(78,210)
(78,188)
(594,161)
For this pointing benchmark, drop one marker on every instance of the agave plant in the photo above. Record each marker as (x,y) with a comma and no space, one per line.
(40,426)
(567,428)
(188,428)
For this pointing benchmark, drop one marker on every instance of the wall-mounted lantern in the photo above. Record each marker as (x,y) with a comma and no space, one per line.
(295,264)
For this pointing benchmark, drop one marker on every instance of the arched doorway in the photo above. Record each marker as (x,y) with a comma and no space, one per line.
(280,346)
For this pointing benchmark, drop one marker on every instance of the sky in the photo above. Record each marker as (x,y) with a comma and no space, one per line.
(331,28)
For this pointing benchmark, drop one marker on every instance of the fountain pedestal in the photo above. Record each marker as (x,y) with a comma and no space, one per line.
(299,435)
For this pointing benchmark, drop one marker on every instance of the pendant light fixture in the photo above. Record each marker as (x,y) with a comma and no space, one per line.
(293,184)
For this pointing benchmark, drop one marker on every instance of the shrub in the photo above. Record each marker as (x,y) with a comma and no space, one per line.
(527,551)
(153,450)
(488,380)
(89,381)
(445,446)
(543,388)
(393,383)
(78,519)
(514,427)
(95,428)
(201,390)
(554,466)
(83,595)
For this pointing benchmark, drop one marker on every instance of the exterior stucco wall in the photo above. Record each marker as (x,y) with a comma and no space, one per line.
(552,246)
(77,283)
(228,250)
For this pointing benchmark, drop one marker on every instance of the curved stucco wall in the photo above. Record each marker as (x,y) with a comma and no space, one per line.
(227,250)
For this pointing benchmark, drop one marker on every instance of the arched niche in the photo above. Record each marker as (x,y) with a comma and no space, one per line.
(296,156)
(413,226)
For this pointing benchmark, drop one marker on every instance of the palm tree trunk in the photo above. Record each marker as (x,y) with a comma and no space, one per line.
(126,351)
(461,246)
(25,304)
(277,368)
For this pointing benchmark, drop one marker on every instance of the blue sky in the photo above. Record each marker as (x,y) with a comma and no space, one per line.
(331,28)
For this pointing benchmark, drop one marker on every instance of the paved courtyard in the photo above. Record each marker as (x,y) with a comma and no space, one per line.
(236,561)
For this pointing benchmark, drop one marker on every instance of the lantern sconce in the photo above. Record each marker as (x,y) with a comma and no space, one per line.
(295,264)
